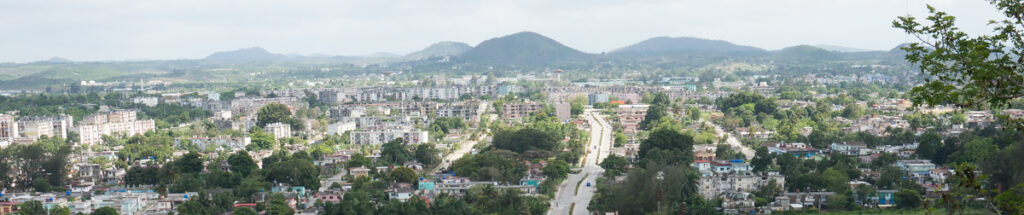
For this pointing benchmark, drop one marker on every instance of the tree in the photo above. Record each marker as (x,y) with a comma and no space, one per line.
(358,160)
(250,186)
(1012,200)
(403,174)
(427,154)
(524,139)
(32,207)
(395,152)
(271,113)
(928,145)
(556,169)
(242,163)
(725,151)
(654,113)
(189,163)
(762,159)
(187,183)
(614,165)
(620,139)
(694,113)
(443,125)
(908,199)
(244,211)
(889,177)
(853,111)
(105,211)
(838,202)
(645,188)
(260,140)
(975,151)
(667,146)
(968,71)
(278,206)
(296,171)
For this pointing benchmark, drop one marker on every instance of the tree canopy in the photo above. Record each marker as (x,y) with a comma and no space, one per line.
(969,71)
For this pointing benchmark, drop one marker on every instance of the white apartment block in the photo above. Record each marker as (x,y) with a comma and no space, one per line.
(340,127)
(469,111)
(148,101)
(121,122)
(381,137)
(279,130)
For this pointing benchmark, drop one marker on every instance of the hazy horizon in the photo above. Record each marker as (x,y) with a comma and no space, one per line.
(113,30)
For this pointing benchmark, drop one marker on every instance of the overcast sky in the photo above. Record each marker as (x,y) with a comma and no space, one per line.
(92,30)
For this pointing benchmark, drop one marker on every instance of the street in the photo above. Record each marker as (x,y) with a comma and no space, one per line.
(747,151)
(567,195)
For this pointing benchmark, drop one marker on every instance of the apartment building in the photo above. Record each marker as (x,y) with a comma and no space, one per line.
(379,137)
(519,110)
(279,130)
(117,122)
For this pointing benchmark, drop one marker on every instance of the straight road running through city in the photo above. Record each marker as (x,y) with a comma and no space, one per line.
(597,149)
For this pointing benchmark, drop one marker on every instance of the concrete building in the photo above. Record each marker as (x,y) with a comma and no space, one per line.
(519,110)
(341,127)
(915,166)
(849,148)
(379,137)
(798,150)
(563,111)
(331,96)
(279,130)
(230,143)
(120,122)
(35,128)
(597,98)
(148,101)
(8,129)
(469,111)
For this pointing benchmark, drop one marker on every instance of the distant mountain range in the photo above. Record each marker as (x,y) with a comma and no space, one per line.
(523,50)
(247,55)
(844,49)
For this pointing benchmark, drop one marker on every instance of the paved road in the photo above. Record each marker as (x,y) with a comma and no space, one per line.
(747,151)
(464,147)
(598,148)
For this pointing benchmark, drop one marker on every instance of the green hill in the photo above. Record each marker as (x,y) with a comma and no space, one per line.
(445,48)
(661,45)
(523,49)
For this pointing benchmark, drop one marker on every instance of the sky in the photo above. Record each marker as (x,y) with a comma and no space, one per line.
(102,30)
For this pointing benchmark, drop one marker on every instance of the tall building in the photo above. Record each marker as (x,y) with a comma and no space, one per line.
(279,130)
(8,128)
(563,111)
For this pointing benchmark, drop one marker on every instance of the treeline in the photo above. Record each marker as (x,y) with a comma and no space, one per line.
(662,182)
(484,199)
(243,176)
(41,166)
